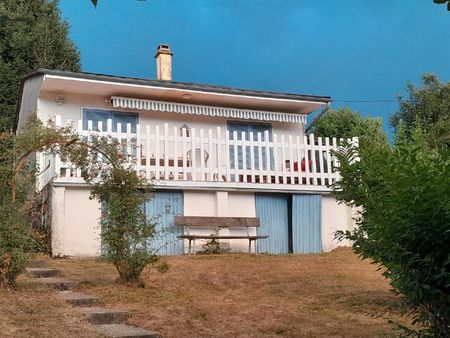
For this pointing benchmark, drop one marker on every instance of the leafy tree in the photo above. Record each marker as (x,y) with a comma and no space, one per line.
(429,107)
(32,35)
(345,123)
(402,193)
(443,2)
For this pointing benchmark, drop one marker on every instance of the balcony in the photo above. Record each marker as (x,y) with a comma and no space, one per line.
(173,157)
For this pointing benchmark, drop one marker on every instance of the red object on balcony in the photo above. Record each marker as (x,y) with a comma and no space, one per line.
(303,165)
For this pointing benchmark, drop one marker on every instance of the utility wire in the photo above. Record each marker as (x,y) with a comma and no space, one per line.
(366,101)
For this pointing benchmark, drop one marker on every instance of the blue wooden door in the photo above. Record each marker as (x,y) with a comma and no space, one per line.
(306,223)
(272,210)
(161,210)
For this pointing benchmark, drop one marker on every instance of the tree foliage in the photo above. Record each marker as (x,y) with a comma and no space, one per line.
(429,107)
(403,195)
(443,2)
(17,181)
(345,123)
(32,35)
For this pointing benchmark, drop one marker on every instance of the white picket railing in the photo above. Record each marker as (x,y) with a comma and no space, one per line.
(165,153)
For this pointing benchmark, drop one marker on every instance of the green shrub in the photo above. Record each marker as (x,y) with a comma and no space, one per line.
(125,229)
(403,194)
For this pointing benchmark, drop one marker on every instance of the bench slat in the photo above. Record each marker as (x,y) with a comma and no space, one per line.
(204,221)
(222,237)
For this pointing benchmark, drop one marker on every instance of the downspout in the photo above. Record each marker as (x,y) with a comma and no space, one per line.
(323,112)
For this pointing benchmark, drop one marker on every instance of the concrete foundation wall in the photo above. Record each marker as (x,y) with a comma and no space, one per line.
(76,232)
(75,223)
(335,217)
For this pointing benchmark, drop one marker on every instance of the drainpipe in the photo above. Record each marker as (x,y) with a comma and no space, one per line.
(323,112)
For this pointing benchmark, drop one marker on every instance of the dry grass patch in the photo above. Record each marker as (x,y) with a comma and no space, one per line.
(334,295)
(33,310)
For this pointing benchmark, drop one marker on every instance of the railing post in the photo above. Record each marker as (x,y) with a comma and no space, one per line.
(219,154)
(157,152)
(244,156)
(193,156)
(322,174)
(147,152)
(275,158)
(209,164)
(260,159)
(236,157)
(175,153)
(313,158)
(252,157)
(291,159)
(227,155)
(166,151)
(184,151)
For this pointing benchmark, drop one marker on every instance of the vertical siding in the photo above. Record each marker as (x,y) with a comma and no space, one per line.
(162,208)
(307,223)
(272,209)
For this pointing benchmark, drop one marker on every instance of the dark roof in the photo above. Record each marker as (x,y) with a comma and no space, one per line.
(180,85)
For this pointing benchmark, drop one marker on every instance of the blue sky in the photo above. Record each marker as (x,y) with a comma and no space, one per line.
(347,49)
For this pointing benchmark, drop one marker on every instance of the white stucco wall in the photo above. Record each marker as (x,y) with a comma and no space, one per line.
(75,223)
(73,110)
(29,100)
(335,217)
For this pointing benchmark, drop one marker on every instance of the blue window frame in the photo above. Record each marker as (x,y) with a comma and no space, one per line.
(100,115)
(247,128)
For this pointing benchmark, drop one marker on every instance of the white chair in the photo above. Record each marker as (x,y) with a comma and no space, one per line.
(198,160)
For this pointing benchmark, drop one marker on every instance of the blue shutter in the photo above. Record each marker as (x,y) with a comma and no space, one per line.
(272,210)
(161,209)
(307,223)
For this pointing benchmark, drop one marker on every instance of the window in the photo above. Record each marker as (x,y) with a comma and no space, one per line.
(247,128)
(99,115)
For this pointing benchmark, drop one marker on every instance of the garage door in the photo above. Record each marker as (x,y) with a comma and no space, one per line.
(272,210)
(306,223)
(162,209)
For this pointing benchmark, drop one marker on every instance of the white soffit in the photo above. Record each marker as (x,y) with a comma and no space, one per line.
(194,109)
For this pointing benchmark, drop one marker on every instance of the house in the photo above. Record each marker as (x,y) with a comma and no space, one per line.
(209,150)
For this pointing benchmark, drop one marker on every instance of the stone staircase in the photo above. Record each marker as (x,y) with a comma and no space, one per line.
(108,322)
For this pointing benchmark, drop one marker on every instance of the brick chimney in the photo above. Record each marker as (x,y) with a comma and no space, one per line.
(163,58)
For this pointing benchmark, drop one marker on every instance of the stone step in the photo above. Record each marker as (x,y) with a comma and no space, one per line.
(78,298)
(125,331)
(42,272)
(97,315)
(56,283)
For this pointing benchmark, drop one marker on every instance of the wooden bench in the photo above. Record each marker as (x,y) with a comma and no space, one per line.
(219,222)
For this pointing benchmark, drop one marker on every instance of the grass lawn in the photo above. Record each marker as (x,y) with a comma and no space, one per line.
(230,295)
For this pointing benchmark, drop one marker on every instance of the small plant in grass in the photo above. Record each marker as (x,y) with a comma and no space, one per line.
(213,246)
(163,267)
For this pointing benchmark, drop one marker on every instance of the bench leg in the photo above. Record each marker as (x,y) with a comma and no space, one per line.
(249,245)
(190,246)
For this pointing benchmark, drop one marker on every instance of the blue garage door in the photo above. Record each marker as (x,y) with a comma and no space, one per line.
(161,209)
(272,210)
(307,223)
